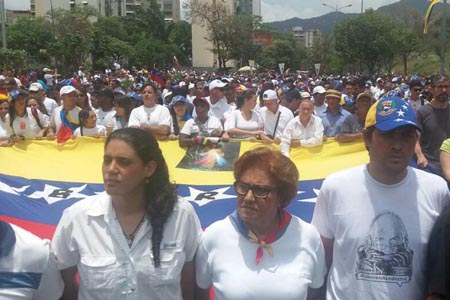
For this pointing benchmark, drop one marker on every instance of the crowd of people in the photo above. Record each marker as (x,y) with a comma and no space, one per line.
(379,231)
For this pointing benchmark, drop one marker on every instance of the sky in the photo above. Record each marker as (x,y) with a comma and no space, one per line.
(279,10)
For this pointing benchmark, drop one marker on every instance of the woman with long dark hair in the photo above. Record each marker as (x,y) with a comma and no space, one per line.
(137,238)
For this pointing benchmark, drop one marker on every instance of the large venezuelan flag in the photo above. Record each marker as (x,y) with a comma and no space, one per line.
(39,179)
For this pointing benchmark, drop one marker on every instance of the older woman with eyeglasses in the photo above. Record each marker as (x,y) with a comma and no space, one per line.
(261,251)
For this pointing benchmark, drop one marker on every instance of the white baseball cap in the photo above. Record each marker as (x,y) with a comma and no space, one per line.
(319,89)
(270,95)
(216,83)
(66,90)
(35,87)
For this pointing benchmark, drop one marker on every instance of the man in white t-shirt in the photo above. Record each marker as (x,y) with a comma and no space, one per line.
(274,117)
(319,99)
(219,106)
(37,91)
(106,107)
(68,109)
(375,220)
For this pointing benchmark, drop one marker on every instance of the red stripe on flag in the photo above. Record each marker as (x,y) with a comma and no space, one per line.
(43,231)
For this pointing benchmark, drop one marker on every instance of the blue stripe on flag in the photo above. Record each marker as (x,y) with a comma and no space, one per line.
(14,280)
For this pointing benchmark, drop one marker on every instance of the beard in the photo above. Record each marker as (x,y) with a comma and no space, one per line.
(442,97)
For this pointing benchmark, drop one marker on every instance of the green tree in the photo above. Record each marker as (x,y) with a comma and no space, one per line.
(74,35)
(408,42)
(13,59)
(109,43)
(32,36)
(180,35)
(366,40)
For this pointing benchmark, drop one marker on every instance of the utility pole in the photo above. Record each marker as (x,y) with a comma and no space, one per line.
(3,19)
(443,39)
(362,6)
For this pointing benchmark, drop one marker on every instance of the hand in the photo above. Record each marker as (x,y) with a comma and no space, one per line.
(422,161)
(295,143)
(50,136)
(172,136)
(265,139)
(225,137)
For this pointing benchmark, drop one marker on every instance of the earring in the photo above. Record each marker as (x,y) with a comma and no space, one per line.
(147,180)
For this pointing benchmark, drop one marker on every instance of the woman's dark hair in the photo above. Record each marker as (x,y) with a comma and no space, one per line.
(126,103)
(82,90)
(41,105)
(19,94)
(278,168)
(241,97)
(83,115)
(160,193)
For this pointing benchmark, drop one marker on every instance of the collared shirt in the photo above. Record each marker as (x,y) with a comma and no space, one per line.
(90,237)
(309,136)
(332,122)
(269,119)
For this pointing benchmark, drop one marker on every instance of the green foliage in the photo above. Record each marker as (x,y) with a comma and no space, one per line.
(13,59)
(32,36)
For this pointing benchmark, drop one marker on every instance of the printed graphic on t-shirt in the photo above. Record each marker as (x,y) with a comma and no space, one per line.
(385,255)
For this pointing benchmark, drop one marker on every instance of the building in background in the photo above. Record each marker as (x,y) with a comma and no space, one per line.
(170,8)
(306,37)
(202,56)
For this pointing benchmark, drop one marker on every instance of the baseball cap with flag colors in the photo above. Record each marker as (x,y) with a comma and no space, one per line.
(390,113)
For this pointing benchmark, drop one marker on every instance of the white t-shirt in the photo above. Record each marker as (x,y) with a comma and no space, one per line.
(55,118)
(269,120)
(380,232)
(102,116)
(28,125)
(193,127)
(156,115)
(50,104)
(227,261)
(309,136)
(5,128)
(111,121)
(219,109)
(97,130)
(320,109)
(49,79)
(89,236)
(236,120)
(28,256)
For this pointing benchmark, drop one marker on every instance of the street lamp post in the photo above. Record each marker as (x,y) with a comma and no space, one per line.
(337,8)
(3,19)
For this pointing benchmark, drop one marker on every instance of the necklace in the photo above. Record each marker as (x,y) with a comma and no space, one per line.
(130,237)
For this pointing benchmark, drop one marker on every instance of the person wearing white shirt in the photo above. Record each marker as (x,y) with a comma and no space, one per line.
(219,106)
(37,91)
(274,117)
(305,130)
(201,130)
(27,266)
(319,99)
(151,117)
(244,122)
(106,107)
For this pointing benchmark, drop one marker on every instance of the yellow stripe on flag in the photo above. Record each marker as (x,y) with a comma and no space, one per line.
(426,20)
(80,160)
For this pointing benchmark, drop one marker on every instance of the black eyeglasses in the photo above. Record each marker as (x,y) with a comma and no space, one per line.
(259,191)
(418,89)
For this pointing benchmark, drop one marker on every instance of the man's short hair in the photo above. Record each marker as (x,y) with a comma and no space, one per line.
(359,82)
(437,78)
